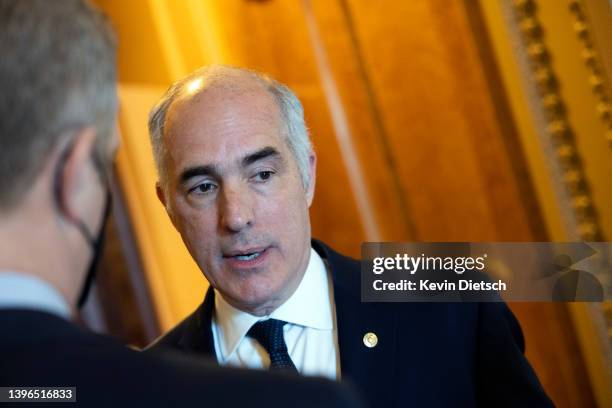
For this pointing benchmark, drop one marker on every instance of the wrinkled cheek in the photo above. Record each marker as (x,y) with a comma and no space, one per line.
(192,242)
(196,228)
(201,245)
(283,214)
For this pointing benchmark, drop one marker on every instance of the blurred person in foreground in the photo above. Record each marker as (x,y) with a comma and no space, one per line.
(57,141)
(237,177)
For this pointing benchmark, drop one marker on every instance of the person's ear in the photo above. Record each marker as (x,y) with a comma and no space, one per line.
(161,196)
(72,177)
(312,170)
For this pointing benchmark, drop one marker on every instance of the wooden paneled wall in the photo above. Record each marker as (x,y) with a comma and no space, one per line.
(413,114)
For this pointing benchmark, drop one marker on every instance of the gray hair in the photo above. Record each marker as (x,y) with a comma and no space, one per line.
(295,130)
(57,74)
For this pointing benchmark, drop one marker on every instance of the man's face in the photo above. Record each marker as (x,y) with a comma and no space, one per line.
(235,195)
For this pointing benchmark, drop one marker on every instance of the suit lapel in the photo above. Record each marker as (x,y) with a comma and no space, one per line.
(197,336)
(371,369)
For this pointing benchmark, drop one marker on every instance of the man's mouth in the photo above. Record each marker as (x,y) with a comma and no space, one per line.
(248,257)
(245,255)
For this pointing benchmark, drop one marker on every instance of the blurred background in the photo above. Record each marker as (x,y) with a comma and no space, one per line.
(433,120)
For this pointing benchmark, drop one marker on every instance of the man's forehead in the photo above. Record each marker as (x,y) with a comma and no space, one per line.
(251,96)
(221,126)
(219,108)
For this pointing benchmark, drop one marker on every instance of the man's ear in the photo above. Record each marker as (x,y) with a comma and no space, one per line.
(312,169)
(72,177)
(161,195)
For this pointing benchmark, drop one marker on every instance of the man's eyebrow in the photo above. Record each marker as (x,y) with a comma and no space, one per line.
(261,154)
(209,170)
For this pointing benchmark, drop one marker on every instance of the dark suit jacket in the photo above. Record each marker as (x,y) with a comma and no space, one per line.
(39,349)
(428,354)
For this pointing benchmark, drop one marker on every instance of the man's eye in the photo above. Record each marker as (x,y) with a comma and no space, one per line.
(263,175)
(203,188)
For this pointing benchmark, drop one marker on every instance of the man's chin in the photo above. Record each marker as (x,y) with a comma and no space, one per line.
(256,303)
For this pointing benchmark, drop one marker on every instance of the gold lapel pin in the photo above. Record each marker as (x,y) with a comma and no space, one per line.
(370,340)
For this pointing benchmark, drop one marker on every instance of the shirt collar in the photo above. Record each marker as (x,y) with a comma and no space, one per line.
(309,306)
(23,291)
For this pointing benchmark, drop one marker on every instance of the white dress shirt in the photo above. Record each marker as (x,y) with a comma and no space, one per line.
(23,291)
(311,333)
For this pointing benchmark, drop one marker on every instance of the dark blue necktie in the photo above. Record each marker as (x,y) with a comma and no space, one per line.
(269,333)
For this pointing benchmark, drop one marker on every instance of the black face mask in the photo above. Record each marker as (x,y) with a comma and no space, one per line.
(96,243)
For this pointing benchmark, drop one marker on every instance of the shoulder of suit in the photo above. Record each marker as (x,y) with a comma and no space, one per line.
(332,256)
(171,338)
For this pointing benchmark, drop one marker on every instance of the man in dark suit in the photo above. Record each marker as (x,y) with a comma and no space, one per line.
(236,176)
(57,140)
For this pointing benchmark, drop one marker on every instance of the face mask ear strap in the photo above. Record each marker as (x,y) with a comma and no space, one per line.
(95,242)
(97,245)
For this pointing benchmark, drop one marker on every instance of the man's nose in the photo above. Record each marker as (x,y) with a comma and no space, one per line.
(236,211)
